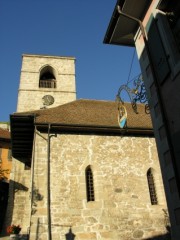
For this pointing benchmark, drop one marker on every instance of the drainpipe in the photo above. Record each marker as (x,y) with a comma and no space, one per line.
(135,19)
(32,179)
(48,181)
(48,185)
(164,115)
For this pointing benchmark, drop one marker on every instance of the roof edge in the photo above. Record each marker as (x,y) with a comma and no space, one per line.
(88,128)
(47,56)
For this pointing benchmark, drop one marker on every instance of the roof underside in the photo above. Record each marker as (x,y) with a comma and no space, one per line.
(22,131)
(83,116)
(121,30)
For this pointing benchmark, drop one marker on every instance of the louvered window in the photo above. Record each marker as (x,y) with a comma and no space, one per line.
(89,184)
(47,78)
(152,189)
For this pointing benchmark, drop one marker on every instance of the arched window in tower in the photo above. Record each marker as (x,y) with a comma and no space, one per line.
(152,188)
(89,184)
(47,78)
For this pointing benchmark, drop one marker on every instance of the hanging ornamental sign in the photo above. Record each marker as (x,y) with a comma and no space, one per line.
(137,94)
(122,115)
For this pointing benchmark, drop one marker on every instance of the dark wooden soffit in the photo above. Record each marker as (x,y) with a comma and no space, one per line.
(22,131)
(121,30)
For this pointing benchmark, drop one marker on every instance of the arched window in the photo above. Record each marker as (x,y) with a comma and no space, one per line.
(89,184)
(47,78)
(152,189)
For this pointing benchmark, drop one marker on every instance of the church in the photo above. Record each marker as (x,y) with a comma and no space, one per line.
(76,174)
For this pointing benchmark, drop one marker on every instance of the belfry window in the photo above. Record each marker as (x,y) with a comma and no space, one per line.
(47,78)
(152,189)
(89,184)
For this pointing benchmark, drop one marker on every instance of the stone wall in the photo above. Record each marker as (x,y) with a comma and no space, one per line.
(4,125)
(122,207)
(19,202)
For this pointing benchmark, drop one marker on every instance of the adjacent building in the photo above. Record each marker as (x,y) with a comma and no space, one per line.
(5,169)
(153,27)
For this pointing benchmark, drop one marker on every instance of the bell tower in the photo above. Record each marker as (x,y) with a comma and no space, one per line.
(46,81)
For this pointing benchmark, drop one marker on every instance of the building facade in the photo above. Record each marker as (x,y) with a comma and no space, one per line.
(153,27)
(77,175)
(5,169)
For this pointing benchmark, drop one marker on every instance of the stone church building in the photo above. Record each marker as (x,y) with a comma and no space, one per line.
(76,174)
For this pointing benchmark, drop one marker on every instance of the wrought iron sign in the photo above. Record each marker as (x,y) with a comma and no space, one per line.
(137,94)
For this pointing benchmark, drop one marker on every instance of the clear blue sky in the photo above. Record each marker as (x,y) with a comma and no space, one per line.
(63,28)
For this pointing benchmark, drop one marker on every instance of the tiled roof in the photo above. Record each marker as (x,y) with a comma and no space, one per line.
(4,133)
(92,113)
(77,116)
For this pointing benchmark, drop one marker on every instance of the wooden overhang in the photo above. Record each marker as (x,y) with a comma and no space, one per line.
(22,132)
(121,30)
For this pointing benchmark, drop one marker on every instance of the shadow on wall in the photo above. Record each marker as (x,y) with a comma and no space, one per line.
(69,236)
(13,187)
(36,197)
(19,187)
(166,236)
(4,191)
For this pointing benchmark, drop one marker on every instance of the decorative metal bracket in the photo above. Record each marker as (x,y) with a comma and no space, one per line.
(136,94)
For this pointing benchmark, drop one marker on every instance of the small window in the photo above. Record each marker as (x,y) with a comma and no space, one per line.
(47,78)
(89,184)
(152,189)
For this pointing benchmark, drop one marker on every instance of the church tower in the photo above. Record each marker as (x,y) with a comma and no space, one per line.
(46,81)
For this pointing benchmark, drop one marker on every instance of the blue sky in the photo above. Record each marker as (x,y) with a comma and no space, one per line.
(64,28)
